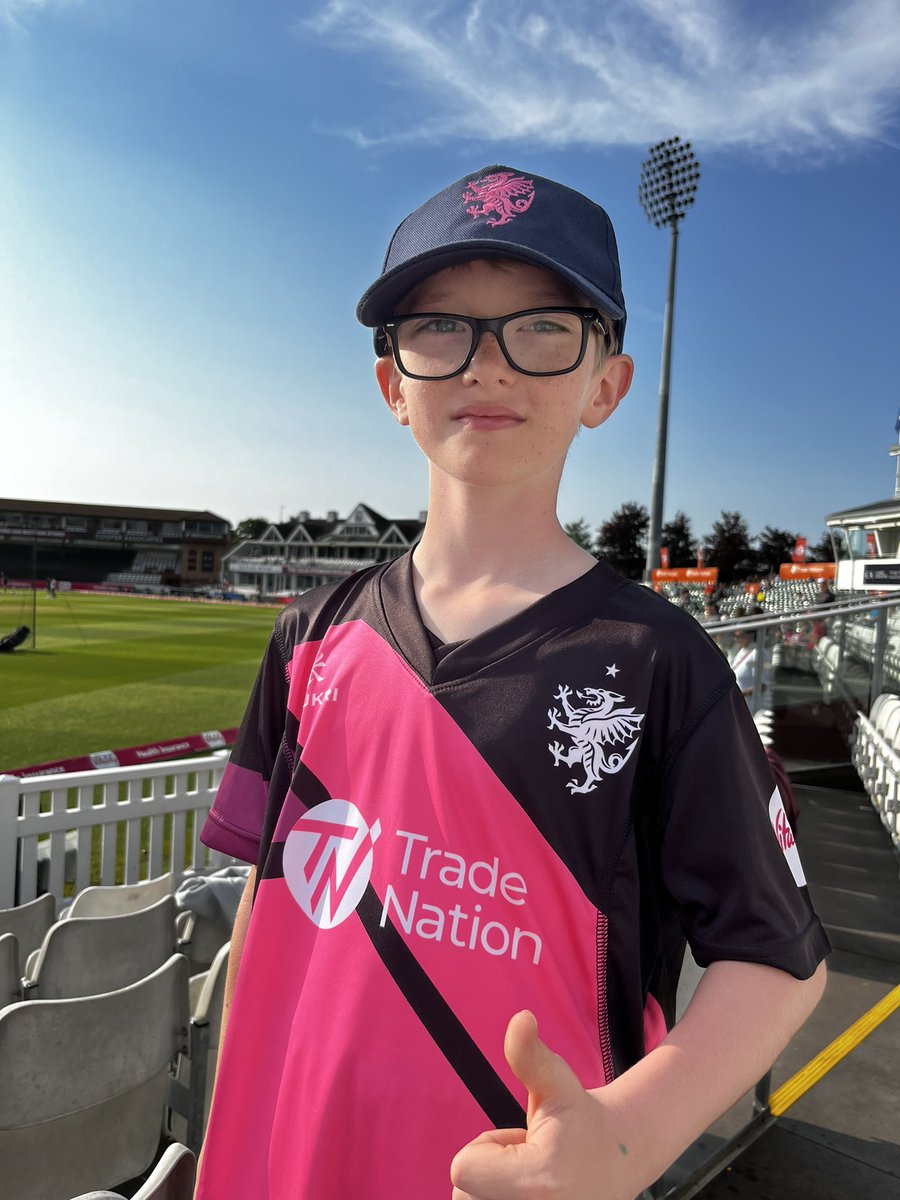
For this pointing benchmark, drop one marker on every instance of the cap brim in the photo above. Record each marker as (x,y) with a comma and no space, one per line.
(379,302)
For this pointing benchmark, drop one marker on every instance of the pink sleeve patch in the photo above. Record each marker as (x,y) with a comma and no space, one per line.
(236,818)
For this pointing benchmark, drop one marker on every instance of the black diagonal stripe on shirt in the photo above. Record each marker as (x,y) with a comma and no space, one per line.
(441,1022)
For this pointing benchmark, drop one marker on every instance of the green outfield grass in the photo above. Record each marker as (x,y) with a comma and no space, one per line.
(114,671)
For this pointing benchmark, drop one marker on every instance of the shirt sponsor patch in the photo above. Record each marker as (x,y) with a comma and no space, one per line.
(328,861)
(785,835)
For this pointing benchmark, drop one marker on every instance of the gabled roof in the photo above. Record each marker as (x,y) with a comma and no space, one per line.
(381,523)
(410,529)
(271,534)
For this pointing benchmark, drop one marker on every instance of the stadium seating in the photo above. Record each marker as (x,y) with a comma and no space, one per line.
(172,1179)
(83,1083)
(87,955)
(29,922)
(118,899)
(9,969)
(875,752)
(196,1072)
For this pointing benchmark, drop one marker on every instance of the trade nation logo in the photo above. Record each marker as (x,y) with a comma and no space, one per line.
(328,859)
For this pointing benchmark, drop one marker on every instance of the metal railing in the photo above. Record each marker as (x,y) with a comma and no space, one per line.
(846,644)
(117,825)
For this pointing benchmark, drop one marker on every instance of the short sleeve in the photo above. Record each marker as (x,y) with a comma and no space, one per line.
(728,859)
(235,822)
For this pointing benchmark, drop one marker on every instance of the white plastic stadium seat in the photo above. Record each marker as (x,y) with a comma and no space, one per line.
(9,969)
(83,1083)
(29,922)
(197,1072)
(123,898)
(172,1179)
(87,955)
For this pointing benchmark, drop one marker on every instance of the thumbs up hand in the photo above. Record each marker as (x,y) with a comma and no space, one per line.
(568,1152)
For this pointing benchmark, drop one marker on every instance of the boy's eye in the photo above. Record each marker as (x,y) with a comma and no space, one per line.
(440,325)
(545,323)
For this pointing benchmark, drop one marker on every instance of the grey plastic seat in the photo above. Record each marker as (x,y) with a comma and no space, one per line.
(88,955)
(29,922)
(172,1179)
(9,969)
(196,1072)
(83,1084)
(120,899)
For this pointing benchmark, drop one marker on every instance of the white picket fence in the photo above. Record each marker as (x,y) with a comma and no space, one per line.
(47,825)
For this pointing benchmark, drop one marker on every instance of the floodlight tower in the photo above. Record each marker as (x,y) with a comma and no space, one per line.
(668,188)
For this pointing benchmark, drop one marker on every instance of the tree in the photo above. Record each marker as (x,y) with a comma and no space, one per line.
(729,548)
(774,547)
(623,539)
(250,527)
(580,533)
(676,536)
(823,551)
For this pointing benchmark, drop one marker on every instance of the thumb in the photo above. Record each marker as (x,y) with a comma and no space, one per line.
(549,1079)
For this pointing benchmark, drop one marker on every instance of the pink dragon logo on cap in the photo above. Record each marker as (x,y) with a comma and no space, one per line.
(503,193)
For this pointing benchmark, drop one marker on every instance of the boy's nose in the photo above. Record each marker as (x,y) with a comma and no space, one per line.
(489,359)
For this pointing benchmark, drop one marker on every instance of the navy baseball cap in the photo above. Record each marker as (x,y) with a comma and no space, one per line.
(499,212)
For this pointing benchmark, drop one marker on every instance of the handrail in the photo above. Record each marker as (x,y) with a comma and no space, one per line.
(836,609)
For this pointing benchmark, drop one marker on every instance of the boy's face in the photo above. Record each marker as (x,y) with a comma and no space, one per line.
(492,425)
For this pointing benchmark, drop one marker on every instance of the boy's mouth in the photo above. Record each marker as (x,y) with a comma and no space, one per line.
(488,416)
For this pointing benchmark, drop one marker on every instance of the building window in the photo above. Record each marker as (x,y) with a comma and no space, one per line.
(207,560)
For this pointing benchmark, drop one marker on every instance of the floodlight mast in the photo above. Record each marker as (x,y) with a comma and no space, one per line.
(667,190)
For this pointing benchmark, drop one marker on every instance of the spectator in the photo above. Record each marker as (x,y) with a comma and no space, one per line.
(710,614)
(824,595)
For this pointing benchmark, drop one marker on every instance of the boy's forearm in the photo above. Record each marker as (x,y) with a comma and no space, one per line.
(740,1019)
(238,934)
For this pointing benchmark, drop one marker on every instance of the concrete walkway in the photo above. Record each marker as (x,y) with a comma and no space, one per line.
(841,1140)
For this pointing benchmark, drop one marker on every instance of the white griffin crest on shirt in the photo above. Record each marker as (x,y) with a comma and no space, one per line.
(603,736)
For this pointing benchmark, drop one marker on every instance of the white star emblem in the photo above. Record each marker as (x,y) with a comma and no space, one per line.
(613,670)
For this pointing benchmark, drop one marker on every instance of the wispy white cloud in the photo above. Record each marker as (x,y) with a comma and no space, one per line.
(15,14)
(629,71)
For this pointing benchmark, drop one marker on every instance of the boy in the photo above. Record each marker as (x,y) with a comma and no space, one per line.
(492,779)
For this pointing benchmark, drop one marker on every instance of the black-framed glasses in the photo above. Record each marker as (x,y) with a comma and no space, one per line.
(535,341)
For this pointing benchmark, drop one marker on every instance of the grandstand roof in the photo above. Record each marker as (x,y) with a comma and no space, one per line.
(881,511)
(64,508)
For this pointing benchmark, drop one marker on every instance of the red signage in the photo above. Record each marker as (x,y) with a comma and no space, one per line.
(132,756)
(664,557)
(799,554)
(686,575)
(807,570)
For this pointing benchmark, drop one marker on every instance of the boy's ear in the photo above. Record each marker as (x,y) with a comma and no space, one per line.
(390,381)
(612,382)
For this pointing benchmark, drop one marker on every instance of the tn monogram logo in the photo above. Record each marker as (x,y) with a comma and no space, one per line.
(328,859)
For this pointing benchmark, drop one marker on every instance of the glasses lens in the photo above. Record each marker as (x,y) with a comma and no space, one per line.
(432,346)
(544,341)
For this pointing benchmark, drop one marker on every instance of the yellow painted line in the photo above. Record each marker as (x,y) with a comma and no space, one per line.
(807,1076)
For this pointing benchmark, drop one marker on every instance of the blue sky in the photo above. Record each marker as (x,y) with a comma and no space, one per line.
(194,193)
